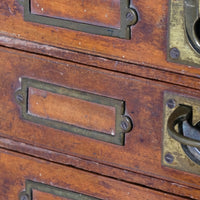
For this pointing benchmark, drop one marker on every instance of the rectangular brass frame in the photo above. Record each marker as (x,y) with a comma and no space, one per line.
(177,37)
(123,32)
(31,185)
(119,136)
(170,146)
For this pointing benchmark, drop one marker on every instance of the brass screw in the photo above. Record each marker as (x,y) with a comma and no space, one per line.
(171,103)
(124,125)
(174,53)
(131,17)
(24,197)
(169,158)
(20,98)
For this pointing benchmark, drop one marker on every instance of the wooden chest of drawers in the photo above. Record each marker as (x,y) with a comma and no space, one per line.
(87,95)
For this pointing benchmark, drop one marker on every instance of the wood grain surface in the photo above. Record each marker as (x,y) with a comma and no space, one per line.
(74,111)
(148,45)
(144,103)
(109,171)
(99,12)
(17,168)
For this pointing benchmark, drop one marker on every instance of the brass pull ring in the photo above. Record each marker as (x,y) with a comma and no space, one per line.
(192,23)
(179,115)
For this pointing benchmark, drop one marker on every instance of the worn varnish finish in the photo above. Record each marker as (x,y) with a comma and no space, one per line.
(97,61)
(137,73)
(99,12)
(142,150)
(147,46)
(98,168)
(70,110)
(16,168)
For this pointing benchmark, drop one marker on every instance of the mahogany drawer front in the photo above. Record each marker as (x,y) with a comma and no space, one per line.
(147,45)
(142,149)
(39,179)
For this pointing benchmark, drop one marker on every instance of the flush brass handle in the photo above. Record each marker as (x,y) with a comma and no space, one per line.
(179,116)
(192,23)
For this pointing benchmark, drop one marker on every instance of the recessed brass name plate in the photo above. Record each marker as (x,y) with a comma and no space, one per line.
(98,117)
(84,20)
(184,32)
(32,186)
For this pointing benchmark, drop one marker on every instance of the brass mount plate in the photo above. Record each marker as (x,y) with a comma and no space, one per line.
(31,185)
(173,154)
(123,123)
(179,48)
(128,17)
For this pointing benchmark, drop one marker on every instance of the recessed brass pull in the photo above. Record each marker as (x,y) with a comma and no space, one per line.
(181,132)
(192,23)
(181,114)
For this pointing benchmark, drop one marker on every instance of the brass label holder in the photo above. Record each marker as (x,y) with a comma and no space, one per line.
(31,185)
(128,17)
(173,154)
(123,123)
(183,32)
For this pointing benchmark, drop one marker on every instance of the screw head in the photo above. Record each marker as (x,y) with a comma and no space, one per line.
(171,103)
(24,197)
(20,98)
(174,53)
(169,158)
(126,124)
(131,17)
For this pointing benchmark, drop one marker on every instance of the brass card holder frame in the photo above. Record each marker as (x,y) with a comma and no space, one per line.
(184,32)
(123,123)
(177,108)
(128,17)
(31,185)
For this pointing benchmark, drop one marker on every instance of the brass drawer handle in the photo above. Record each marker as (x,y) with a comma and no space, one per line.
(187,134)
(181,132)
(183,114)
(192,23)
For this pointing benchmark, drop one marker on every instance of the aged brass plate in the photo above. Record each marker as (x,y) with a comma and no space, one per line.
(173,154)
(180,49)
(128,17)
(31,185)
(122,123)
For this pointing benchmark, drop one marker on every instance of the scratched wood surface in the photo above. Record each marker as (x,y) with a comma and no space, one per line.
(147,45)
(144,103)
(17,168)
(102,169)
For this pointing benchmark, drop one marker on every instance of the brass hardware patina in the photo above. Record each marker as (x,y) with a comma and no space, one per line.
(123,123)
(184,32)
(192,23)
(182,114)
(31,185)
(181,135)
(128,17)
